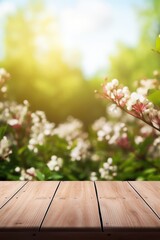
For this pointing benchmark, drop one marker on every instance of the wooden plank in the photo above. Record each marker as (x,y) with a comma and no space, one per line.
(74,208)
(122,209)
(8,189)
(28,207)
(150,192)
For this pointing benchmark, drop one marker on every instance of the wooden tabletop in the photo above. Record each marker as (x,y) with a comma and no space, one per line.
(79,210)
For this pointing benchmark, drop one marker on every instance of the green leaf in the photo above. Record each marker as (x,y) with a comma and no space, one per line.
(55,176)
(40,176)
(150,171)
(150,91)
(2,131)
(154,97)
(21,150)
(140,179)
(158,43)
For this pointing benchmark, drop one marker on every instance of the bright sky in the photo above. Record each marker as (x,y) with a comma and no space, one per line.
(90,27)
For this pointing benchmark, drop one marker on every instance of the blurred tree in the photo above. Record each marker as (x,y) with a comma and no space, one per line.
(34,57)
(150,21)
(134,63)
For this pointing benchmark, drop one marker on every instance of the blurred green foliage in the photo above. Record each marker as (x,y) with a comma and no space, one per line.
(133,63)
(158,43)
(40,74)
(154,97)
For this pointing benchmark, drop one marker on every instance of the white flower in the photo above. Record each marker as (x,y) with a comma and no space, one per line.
(17,169)
(12,122)
(97,125)
(154,149)
(4,89)
(39,130)
(28,174)
(145,85)
(114,111)
(138,139)
(55,163)
(81,150)
(4,75)
(93,176)
(125,91)
(108,171)
(5,150)
(108,130)
(69,130)
(110,160)
(31,171)
(106,165)
(119,91)
(115,82)
(146,130)
(13,113)
(156,141)
(95,157)
(2,71)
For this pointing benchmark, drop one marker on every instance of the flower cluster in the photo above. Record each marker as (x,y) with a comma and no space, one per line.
(108,171)
(72,132)
(81,150)
(93,176)
(5,150)
(28,174)
(55,163)
(112,133)
(133,103)
(14,114)
(39,130)
(145,85)
(154,149)
(69,130)
(32,148)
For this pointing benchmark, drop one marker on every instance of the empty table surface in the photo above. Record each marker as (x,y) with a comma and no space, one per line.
(79,210)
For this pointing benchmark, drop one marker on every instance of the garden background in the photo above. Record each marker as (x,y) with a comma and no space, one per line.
(54,55)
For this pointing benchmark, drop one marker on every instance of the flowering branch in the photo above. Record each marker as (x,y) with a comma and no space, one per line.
(134,103)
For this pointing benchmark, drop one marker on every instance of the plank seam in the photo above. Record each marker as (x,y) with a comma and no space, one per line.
(48,206)
(13,195)
(99,209)
(144,200)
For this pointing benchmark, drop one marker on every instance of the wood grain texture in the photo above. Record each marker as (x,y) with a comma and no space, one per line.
(122,208)
(74,208)
(8,189)
(28,207)
(40,210)
(150,192)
